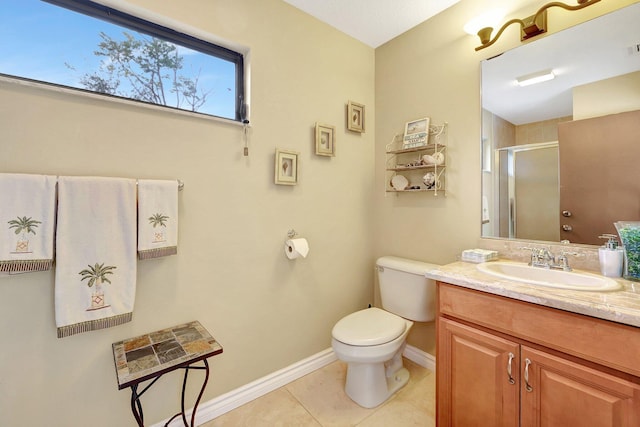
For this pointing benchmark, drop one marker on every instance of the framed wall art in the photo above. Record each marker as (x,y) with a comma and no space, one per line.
(355,117)
(325,140)
(286,167)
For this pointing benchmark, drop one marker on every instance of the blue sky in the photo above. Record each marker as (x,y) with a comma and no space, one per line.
(37,39)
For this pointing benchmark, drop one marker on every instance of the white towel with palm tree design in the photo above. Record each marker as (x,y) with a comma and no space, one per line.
(95,280)
(157,218)
(27,218)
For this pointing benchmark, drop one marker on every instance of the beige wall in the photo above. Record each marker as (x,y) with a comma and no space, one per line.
(231,272)
(610,96)
(433,70)
(537,132)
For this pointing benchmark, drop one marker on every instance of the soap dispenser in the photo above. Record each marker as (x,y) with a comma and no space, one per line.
(611,256)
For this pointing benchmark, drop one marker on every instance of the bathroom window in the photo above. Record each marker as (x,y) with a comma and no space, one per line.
(92,47)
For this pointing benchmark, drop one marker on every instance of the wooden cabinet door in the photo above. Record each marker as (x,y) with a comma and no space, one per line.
(473,385)
(566,394)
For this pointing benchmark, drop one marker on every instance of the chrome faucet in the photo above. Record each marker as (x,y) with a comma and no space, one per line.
(563,262)
(543,258)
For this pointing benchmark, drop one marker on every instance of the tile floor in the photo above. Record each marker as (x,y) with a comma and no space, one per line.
(318,400)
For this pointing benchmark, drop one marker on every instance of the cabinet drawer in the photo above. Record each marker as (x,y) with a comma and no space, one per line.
(607,343)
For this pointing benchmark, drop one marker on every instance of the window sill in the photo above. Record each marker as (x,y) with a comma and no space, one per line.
(12,80)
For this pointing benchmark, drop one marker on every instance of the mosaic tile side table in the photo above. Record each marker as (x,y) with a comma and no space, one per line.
(150,356)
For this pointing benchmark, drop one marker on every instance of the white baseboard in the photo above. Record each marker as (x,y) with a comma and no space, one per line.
(420,357)
(222,404)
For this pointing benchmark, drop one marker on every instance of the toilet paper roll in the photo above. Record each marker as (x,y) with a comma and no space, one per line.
(296,247)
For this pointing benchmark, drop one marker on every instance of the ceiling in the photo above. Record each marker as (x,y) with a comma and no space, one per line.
(373,22)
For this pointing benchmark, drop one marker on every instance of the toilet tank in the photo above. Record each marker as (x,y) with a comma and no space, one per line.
(404,290)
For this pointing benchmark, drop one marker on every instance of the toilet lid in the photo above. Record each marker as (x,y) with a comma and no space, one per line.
(371,326)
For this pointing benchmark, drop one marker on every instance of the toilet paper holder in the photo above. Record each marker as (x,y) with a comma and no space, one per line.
(294,247)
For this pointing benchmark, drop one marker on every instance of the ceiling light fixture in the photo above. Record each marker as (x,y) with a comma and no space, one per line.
(539,77)
(530,26)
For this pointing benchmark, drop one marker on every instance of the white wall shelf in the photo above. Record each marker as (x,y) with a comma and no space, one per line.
(408,164)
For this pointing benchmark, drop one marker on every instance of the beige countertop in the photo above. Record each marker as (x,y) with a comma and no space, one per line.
(621,306)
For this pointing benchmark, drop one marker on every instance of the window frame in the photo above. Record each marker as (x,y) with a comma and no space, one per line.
(154,29)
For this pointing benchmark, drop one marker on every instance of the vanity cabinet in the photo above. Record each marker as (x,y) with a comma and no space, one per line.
(405,168)
(503,362)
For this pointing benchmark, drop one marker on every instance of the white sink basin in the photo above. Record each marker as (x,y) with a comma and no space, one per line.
(559,279)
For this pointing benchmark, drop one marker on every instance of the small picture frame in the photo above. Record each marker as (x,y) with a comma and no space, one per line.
(325,140)
(286,167)
(416,133)
(355,117)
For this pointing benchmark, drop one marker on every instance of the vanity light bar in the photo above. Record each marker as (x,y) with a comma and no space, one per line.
(530,26)
(539,77)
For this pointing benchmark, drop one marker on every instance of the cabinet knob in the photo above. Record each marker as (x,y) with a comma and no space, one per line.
(566,214)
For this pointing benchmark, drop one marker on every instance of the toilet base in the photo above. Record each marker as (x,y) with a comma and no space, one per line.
(370,384)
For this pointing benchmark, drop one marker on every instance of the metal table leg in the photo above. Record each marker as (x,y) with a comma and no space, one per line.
(136,405)
(184,386)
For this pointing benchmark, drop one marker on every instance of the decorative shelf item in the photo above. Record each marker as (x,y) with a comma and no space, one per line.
(416,133)
(421,163)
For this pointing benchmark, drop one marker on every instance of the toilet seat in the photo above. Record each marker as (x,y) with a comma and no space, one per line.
(371,326)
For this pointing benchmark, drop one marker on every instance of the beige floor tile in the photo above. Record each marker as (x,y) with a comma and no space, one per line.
(400,413)
(421,392)
(322,394)
(318,400)
(276,409)
(416,371)
(412,405)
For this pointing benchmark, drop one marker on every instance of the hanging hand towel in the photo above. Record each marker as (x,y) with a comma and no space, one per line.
(157,218)
(95,280)
(27,219)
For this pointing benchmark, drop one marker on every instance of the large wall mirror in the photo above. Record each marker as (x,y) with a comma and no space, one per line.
(561,158)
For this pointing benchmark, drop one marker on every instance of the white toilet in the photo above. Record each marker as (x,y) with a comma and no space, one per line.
(371,341)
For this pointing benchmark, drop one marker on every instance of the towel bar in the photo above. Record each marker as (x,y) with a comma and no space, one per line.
(180,184)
